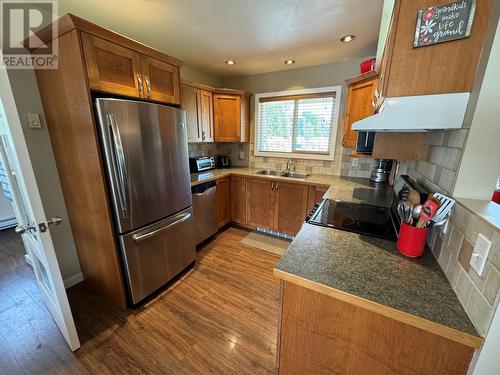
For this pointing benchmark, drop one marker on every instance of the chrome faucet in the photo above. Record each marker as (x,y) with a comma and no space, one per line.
(290,167)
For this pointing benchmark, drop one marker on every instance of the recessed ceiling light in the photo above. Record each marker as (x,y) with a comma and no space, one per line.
(230,62)
(347,38)
(289,62)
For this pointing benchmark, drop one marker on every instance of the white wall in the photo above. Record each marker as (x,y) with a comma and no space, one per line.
(488,362)
(480,165)
(191,74)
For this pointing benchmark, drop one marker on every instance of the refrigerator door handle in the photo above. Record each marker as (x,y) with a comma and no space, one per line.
(141,237)
(119,164)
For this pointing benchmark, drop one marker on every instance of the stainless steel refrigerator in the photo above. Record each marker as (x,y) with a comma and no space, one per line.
(146,159)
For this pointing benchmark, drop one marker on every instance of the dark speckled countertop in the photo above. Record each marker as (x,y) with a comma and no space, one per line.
(372,268)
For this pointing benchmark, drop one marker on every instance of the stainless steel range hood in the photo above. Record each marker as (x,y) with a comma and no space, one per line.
(417,113)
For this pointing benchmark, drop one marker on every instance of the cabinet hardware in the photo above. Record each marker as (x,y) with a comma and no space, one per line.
(272,185)
(148,87)
(139,81)
(203,135)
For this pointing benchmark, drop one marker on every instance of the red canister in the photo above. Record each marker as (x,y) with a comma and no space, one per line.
(411,240)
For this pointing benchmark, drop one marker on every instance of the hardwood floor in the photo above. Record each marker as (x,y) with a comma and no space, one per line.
(221,317)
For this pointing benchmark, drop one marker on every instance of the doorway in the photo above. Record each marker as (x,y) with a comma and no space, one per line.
(31,288)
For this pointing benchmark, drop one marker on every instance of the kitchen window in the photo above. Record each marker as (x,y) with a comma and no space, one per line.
(297,123)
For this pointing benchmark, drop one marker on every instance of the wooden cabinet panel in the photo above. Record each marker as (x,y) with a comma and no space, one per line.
(291,206)
(70,121)
(359,106)
(320,334)
(316,193)
(190,102)
(435,69)
(227,118)
(223,202)
(112,68)
(238,199)
(161,80)
(260,203)
(207,115)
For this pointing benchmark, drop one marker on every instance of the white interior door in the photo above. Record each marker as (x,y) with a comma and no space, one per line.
(32,223)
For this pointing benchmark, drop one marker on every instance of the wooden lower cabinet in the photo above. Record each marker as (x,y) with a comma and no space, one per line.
(223,201)
(276,205)
(260,202)
(238,199)
(290,207)
(319,334)
(316,193)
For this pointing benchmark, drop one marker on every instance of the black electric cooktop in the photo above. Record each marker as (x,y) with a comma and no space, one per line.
(354,217)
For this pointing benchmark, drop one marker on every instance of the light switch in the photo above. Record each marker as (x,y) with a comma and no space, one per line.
(242,155)
(355,162)
(33,121)
(480,254)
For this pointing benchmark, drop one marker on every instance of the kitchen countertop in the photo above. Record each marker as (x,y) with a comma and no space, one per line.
(350,189)
(367,271)
(371,273)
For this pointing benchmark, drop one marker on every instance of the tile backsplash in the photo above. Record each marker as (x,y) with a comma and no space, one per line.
(439,160)
(479,294)
(436,171)
(341,166)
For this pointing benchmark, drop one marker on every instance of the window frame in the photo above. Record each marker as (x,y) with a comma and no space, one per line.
(299,155)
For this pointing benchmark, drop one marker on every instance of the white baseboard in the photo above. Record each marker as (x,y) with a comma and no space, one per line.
(73,280)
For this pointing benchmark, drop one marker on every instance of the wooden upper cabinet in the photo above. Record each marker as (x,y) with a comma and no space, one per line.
(161,80)
(359,106)
(223,203)
(190,102)
(238,199)
(227,118)
(260,202)
(199,113)
(435,69)
(290,207)
(115,69)
(207,115)
(111,67)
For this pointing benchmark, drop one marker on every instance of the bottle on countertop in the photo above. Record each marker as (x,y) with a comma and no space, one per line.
(496,193)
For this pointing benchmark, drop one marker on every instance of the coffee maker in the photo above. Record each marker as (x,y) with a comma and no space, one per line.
(223,161)
(381,170)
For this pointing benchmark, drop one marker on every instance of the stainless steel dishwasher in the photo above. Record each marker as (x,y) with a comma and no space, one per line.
(204,210)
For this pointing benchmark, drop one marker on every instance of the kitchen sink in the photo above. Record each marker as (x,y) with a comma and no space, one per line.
(299,175)
(269,172)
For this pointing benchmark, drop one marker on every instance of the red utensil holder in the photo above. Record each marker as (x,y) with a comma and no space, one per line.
(411,240)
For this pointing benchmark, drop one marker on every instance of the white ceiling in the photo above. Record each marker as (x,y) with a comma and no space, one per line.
(258,34)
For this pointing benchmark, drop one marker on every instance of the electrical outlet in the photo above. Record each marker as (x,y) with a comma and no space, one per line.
(242,155)
(33,121)
(355,162)
(480,254)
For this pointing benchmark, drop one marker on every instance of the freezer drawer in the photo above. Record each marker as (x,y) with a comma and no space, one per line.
(155,254)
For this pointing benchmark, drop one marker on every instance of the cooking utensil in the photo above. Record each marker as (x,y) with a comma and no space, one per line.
(413,197)
(405,211)
(446,204)
(428,211)
(416,211)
